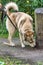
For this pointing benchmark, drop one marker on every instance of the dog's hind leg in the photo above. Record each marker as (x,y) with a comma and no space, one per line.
(11,31)
(10,39)
(10,43)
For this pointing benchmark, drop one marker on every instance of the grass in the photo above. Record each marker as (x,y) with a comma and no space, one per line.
(5,35)
(8,60)
(12,61)
(40,63)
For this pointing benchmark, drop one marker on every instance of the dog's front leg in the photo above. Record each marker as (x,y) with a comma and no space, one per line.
(21,40)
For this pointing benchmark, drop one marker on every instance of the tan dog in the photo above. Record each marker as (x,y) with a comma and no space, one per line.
(23,22)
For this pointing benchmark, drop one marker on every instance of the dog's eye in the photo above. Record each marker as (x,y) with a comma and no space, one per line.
(29,34)
(26,30)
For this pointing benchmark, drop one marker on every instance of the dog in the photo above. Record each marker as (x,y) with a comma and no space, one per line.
(23,22)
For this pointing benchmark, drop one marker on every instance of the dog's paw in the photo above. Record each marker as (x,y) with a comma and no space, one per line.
(12,44)
(23,45)
(9,44)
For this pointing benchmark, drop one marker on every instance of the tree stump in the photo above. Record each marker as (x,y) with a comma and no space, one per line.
(39,25)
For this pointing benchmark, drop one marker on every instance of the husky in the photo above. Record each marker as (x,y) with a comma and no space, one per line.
(23,22)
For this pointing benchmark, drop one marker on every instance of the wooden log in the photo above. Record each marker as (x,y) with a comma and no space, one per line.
(39,25)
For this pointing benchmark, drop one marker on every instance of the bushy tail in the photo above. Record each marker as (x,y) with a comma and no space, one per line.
(10,5)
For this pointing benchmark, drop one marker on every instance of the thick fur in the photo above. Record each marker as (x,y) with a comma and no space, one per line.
(23,22)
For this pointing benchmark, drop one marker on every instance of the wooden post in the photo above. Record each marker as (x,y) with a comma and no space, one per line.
(39,25)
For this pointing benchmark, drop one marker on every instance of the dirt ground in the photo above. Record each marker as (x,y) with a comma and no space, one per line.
(28,54)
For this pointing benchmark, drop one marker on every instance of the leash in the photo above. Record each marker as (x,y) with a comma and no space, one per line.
(10,20)
(4,13)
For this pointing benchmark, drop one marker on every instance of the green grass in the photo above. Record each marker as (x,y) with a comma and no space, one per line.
(5,35)
(12,61)
(8,60)
(39,63)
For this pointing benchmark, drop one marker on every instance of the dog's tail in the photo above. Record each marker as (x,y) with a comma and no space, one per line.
(9,6)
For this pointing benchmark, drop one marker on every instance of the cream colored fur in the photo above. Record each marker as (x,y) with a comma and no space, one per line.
(17,18)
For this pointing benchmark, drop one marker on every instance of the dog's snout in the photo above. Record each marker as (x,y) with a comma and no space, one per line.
(25,39)
(31,40)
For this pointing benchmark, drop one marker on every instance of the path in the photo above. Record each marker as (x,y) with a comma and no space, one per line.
(27,53)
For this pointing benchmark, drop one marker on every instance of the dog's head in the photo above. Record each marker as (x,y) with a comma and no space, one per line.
(29,37)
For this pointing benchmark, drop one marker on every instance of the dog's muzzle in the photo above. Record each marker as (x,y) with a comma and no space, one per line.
(30,41)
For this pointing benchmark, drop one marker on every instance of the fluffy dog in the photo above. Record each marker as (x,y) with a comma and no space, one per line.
(23,22)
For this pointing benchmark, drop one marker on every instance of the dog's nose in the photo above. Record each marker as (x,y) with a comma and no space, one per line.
(36,46)
(31,40)
(25,39)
